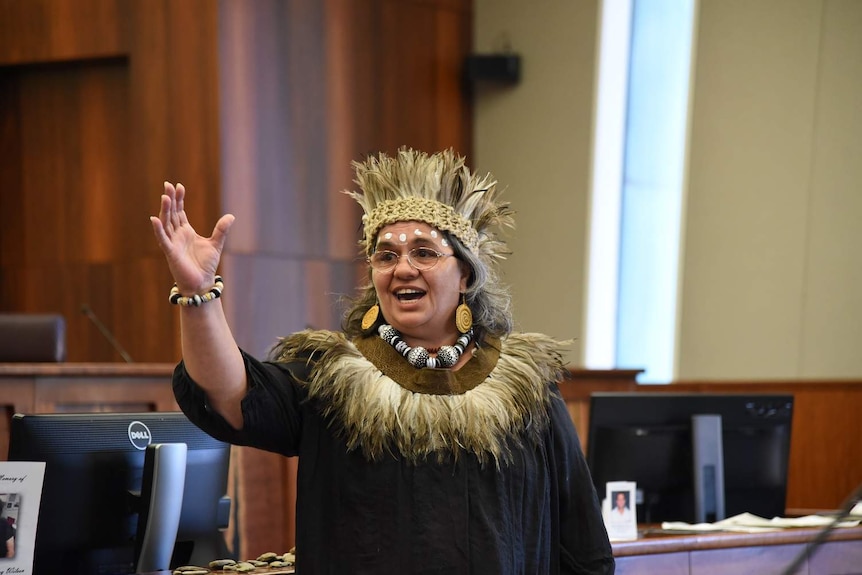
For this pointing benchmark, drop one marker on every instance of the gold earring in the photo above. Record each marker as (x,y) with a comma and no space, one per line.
(370,317)
(463,316)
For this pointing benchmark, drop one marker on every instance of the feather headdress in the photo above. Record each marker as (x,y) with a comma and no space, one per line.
(437,189)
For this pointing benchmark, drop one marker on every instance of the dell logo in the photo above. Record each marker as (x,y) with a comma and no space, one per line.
(139,435)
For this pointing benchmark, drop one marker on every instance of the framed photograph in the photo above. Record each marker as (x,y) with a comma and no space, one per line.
(619,510)
(20,496)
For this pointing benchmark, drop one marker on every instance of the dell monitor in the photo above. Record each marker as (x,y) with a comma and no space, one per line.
(655,439)
(94,474)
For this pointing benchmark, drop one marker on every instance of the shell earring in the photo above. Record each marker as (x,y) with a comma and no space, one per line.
(370,317)
(463,316)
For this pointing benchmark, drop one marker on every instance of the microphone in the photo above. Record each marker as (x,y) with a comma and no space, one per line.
(87,311)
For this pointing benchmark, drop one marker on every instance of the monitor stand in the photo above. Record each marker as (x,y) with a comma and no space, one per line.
(708,460)
(161,504)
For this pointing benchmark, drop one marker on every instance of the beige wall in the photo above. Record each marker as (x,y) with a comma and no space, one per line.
(771,270)
(535,138)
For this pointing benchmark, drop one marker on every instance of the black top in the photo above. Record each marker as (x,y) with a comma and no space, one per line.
(537,512)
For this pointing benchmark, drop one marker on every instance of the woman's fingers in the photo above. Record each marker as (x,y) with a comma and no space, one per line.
(162,228)
(221,230)
(192,259)
(168,207)
(165,210)
(172,225)
(172,211)
(176,203)
(159,231)
(180,204)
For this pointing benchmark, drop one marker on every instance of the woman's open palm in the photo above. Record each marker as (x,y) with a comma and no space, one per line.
(192,259)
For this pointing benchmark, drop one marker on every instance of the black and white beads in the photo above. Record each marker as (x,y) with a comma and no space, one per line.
(447,355)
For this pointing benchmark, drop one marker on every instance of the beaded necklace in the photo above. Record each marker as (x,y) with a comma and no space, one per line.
(447,355)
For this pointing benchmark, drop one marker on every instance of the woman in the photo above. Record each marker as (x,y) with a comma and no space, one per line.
(430,437)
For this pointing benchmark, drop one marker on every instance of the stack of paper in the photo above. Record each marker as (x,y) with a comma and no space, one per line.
(748,523)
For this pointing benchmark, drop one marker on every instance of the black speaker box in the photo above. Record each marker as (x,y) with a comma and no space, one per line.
(493,68)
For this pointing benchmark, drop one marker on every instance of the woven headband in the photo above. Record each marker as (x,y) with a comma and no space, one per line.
(418,209)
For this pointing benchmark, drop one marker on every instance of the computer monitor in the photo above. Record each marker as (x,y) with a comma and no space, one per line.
(88,516)
(647,438)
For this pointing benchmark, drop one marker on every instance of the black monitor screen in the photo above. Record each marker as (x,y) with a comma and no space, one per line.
(94,466)
(647,438)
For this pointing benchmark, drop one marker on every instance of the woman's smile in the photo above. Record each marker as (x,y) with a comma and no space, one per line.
(409,295)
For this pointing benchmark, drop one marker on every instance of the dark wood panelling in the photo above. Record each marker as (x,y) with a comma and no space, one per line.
(81,387)
(341,80)
(420,63)
(74,119)
(11,182)
(258,108)
(102,101)
(725,553)
(57,30)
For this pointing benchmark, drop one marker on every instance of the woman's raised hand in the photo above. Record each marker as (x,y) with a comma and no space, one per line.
(192,259)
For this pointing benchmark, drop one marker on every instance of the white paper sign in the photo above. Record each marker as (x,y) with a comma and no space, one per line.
(21,494)
(619,510)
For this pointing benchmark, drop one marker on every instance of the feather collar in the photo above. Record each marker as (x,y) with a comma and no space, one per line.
(382,405)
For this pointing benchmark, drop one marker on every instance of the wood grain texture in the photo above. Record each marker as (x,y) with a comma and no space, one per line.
(666,564)
(342,80)
(258,108)
(732,553)
(62,30)
(105,101)
(81,387)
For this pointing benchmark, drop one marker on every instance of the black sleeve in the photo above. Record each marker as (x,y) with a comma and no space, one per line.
(584,545)
(271,409)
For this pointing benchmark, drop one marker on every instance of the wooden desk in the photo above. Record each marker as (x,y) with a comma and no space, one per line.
(729,554)
(82,387)
(825,446)
(133,387)
(258,571)
(739,553)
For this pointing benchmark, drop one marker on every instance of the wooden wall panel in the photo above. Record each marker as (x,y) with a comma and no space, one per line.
(174,136)
(420,64)
(344,79)
(102,101)
(12,201)
(74,120)
(664,563)
(258,108)
(17,395)
(62,30)
(453,110)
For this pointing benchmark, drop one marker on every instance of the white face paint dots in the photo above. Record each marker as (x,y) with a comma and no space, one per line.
(434,234)
(402,237)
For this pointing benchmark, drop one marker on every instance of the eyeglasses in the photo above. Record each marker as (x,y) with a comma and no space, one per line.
(422,259)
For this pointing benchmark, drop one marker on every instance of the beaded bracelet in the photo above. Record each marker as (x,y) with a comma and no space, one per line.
(197,300)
